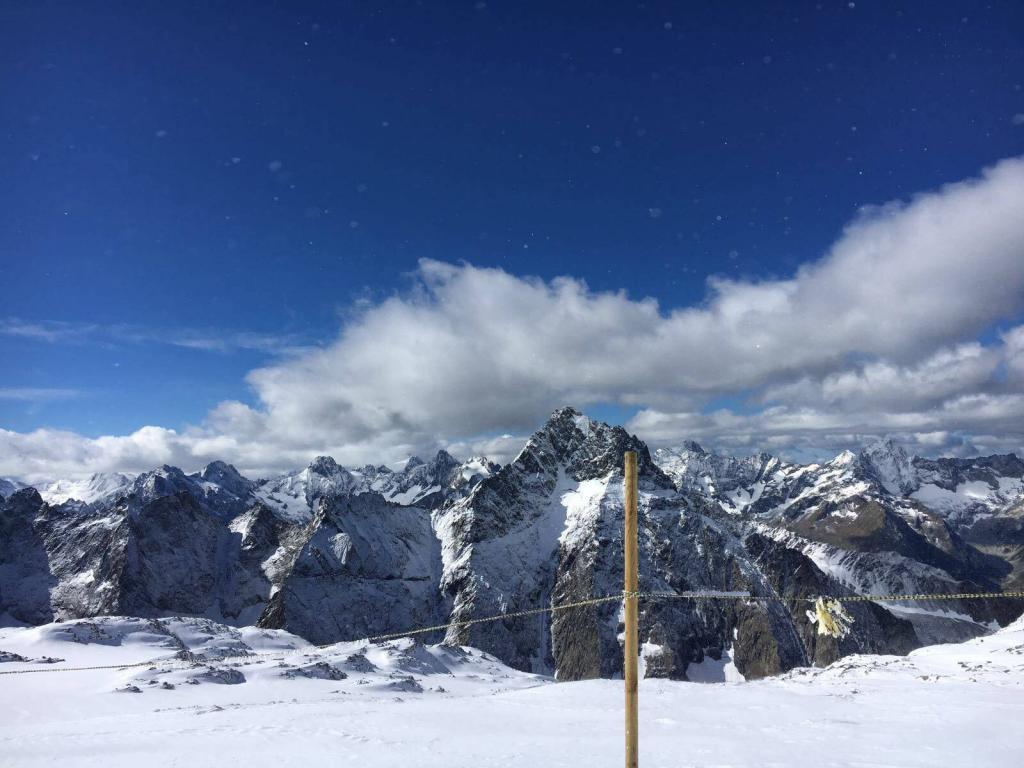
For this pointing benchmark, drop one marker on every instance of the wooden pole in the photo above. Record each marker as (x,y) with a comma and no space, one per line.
(629,666)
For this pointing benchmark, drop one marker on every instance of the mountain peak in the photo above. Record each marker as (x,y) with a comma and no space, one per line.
(885,446)
(570,418)
(843,458)
(565,412)
(324,465)
(443,462)
(226,476)
(25,499)
(219,469)
(413,462)
(889,464)
(584,447)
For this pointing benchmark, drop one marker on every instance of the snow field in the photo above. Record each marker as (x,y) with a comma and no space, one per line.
(402,704)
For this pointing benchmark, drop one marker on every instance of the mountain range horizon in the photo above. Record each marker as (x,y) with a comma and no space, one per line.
(886,442)
(331,553)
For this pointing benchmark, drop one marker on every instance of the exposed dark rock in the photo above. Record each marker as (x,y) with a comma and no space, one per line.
(363,567)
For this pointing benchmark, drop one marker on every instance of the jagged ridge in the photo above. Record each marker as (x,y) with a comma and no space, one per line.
(332,553)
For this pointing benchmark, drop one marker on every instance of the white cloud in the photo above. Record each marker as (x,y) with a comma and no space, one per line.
(50,332)
(1013,343)
(883,386)
(202,339)
(37,394)
(879,334)
(50,453)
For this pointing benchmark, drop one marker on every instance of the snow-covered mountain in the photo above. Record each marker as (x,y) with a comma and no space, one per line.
(334,553)
(90,490)
(871,521)
(292,497)
(960,490)
(426,484)
(547,528)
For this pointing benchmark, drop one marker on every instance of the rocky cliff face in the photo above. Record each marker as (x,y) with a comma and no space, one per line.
(25,576)
(361,567)
(529,534)
(334,553)
(170,555)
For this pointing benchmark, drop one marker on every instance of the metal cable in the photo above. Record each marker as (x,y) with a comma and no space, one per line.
(696,595)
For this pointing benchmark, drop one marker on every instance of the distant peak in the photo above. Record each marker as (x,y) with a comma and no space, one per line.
(693,447)
(888,462)
(227,477)
(219,469)
(25,496)
(568,417)
(444,461)
(885,447)
(323,465)
(413,462)
(846,457)
(565,412)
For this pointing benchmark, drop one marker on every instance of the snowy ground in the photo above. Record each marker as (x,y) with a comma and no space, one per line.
(402,704)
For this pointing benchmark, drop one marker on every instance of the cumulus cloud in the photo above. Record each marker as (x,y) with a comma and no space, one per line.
(803,431)
(883,386)
(878,335)
(49,453)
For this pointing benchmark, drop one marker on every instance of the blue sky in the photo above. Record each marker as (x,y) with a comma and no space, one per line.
(198,190)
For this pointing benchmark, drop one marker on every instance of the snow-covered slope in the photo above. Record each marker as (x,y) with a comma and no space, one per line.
(737,485)
(764,485)
(966,490)
(89,490)
(294,496)
(402,704)
(426,484)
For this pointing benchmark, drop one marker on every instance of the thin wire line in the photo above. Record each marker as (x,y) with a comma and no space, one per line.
(191,661)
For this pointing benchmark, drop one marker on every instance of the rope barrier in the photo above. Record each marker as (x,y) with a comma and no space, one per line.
(76,669)
(837,598)
(498,617)
(192,661)
(281,656)
(938,596)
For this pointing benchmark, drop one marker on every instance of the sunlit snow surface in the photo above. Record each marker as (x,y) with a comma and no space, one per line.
(402,704)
